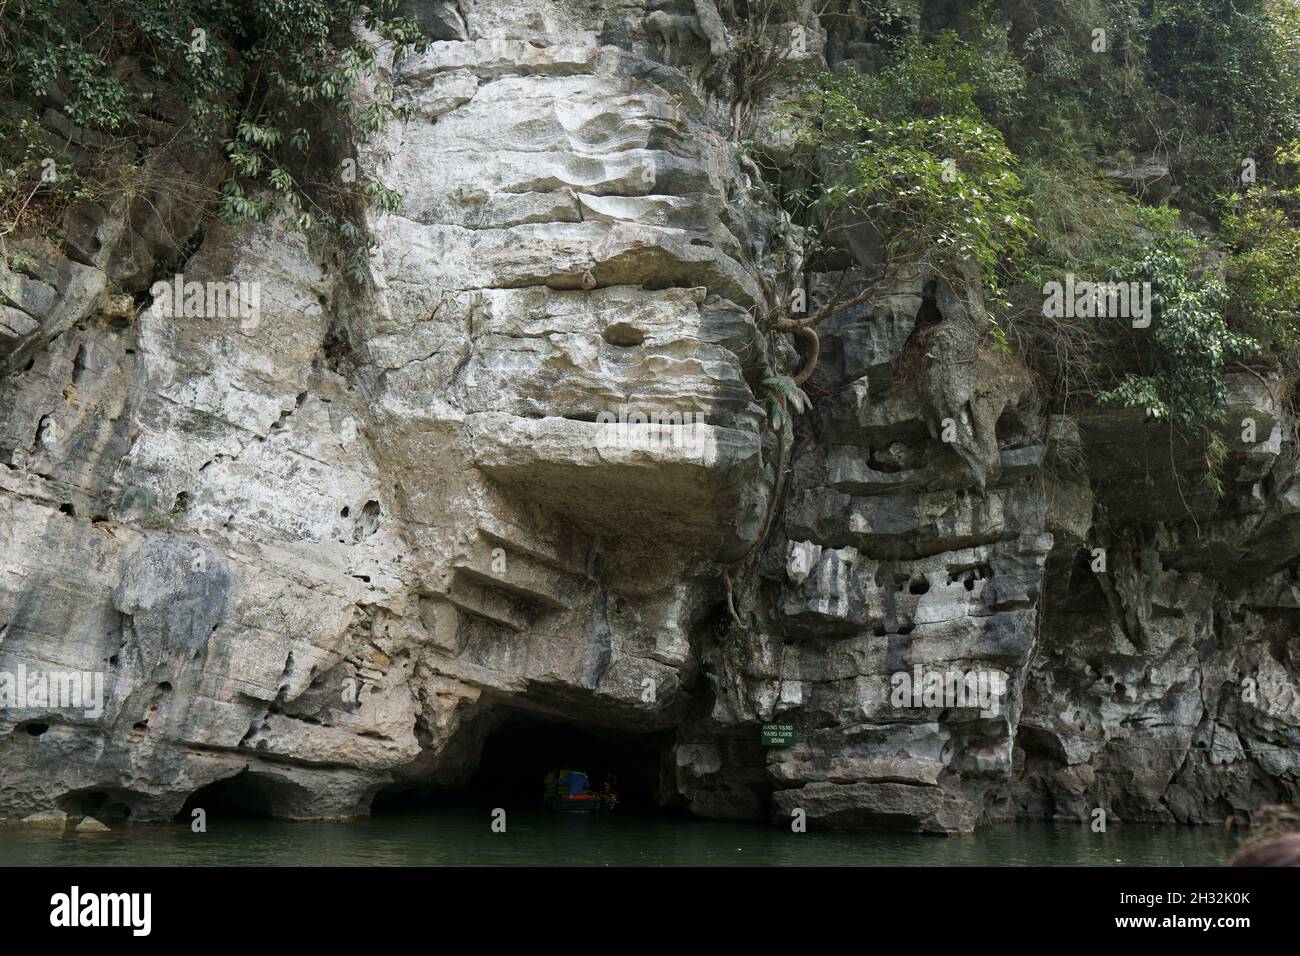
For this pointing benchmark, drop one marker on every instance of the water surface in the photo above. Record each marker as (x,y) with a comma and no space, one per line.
(460,836)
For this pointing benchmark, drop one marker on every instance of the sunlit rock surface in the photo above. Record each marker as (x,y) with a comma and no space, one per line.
(334,546)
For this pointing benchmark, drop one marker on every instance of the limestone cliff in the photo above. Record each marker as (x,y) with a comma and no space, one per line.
(336,545)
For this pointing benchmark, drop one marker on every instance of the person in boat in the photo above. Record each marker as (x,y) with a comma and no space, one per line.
(557,785)
(609,793)
(578,783)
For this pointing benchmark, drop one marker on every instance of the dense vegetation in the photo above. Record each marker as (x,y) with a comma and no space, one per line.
(1013,135)
(272,82)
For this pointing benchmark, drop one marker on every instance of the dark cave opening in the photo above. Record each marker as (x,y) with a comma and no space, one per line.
(928,314)
(110,805)
(243,796)
(517,756)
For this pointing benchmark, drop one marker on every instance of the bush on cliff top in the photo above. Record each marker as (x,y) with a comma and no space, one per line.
(273,82)
(990,148)
(907,153)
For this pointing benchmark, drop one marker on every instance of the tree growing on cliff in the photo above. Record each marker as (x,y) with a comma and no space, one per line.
(269,85)
(923,160)
(903,161)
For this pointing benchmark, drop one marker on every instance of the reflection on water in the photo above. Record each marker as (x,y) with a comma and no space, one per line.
(460,836)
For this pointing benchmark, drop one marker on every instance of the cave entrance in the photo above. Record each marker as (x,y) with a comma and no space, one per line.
(104,805)
(245,795)
(519,754)
(527,745)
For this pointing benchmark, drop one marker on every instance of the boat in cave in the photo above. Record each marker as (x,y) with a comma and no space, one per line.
(567,792)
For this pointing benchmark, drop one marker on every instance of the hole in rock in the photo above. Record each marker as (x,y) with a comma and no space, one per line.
(968,575)
(623,334)
(1039,746)
(103,805)
(929,313)
(517,756)
(1072,588)
(35,729)
(245,795)
(1011,429)
(367,522)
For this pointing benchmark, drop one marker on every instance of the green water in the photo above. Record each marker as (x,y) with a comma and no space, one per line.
(464,837)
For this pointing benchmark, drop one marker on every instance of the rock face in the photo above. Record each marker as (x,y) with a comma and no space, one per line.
(332,543)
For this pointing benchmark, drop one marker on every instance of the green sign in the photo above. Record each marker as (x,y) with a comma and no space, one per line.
(780,734)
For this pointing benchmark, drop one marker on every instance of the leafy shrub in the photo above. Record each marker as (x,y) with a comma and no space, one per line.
(272,80)
(1190,344)
(1230,72)
(1081,222)
(907,151)
(1262,229)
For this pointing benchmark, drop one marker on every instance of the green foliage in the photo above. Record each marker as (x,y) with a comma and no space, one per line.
(782,391)
(1231,71)
(1262,229)
(1081,222)
(1206,82)
(1076,99)
(1190,344)
(908,152)
(272,81)
(998,142)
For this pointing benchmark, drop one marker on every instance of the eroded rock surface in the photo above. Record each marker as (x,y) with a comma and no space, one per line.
(334,547)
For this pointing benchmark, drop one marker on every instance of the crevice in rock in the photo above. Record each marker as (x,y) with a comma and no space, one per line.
(367,521)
